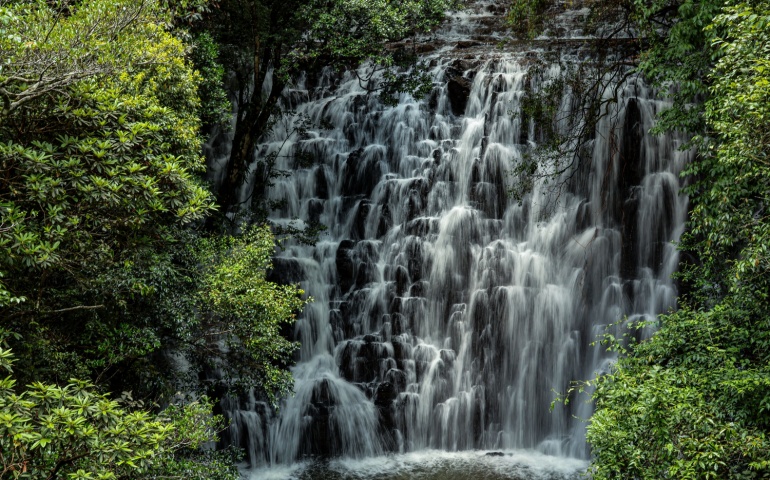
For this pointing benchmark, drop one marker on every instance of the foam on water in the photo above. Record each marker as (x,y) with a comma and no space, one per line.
(434,464)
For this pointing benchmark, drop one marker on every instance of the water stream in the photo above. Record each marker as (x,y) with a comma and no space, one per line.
(446,314)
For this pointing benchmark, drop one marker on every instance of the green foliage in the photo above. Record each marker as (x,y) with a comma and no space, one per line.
(247,310)
(678,56)
(93,168)
(187,453)
(526,17)
(351,31)
(215,107)
(49,431)
(730,227)
(102,273)
(48,47)
(694,400)
(99,178)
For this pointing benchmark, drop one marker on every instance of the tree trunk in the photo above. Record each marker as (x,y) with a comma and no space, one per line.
(252,119)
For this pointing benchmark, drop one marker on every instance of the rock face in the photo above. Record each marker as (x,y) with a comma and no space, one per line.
(631,156)
(459,81)
(446,312)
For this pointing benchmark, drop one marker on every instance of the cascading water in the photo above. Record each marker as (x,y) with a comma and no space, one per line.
(445,313)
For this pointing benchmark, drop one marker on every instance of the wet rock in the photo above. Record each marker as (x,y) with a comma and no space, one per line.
(346,360)
(321,185)
(414,260)
(433,100)
(286,270)
(346,267)
(418,289)
(367,361)
(437,154)
(396,306)
(402,351)
(630,175)
(361,173)
(322,393)
(402,280)
(476,171)
(397,378)
(467,44)
(315,208)
(367,273)
(385,394)
(459,89)
(448,357)
(359,222)
(385,221)
(459,83)
(399,323)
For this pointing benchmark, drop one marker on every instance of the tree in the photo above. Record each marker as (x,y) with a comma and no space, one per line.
(694,400)
(103,272)
(46,50)
(248,311)
(98,176)
(49,431)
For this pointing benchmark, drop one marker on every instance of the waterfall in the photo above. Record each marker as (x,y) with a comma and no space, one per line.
(446,314)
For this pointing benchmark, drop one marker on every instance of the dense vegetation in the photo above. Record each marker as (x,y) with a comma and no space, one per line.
(121,282)
(118,265)
(693,401)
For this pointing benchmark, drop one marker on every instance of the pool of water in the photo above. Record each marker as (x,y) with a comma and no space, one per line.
(432,465)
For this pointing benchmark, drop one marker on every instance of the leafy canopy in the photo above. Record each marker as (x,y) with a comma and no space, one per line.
(99,165)
(249,311)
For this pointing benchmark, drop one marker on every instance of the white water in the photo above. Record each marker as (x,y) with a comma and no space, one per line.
(432,464)
(446,315)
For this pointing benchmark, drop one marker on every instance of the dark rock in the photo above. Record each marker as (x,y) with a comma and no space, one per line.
(399,323)
(321,185)
(417,289)
(459,83)
(459,89)
(437,154)
(286,270)
(468,44)
(397,378)
(315,208)
(359,222)
(385,221)
(346,267)
(367,273)
(630,175)
(361,172)
(385,394)
(322,393)
(402,351)
(476,171)
(402,280)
